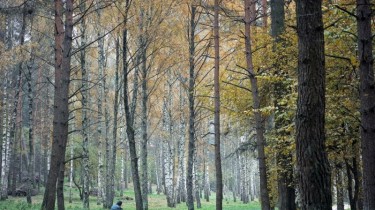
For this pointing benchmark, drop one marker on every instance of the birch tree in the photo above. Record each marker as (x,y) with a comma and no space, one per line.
(85,120)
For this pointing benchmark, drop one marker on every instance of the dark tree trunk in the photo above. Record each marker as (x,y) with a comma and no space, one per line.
(191,144)
(367,98)
(129,115)
(264,196)
(351,194)
(312,162)
(63,43)
(219,175)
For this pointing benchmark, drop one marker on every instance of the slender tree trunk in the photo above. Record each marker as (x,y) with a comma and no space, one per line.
(5,141)
(206,181)
(312,162)
(101,130)
(30,166)
(85,120)
(352,198)
(71,174)
(144,120)
(196,180)
(367,98)
(219,173)
(107,189)
(168,163)
(265,200)
(191,91)
(129,115)
(63,43)
(114,132)
(181,187)
(340,190)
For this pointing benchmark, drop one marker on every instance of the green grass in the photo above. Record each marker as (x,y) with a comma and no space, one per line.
(156,202)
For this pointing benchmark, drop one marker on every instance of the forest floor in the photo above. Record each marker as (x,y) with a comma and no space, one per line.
(156,202)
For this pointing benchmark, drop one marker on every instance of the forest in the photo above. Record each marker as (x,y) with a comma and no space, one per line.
(187,104)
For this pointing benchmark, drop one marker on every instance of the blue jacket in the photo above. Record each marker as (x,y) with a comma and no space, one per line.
(116,207)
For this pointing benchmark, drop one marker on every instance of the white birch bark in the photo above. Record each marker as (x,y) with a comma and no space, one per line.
(101,125)
(123,150)
(71,174)
(5,144)
(85,120)
(196,180)
(180,185)
(168,160)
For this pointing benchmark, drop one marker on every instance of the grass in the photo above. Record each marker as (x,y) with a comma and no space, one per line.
(156,202)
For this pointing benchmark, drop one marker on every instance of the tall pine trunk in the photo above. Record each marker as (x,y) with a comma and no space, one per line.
(63,43)
(367,98)
(219,173)
(312,163)
(264,196)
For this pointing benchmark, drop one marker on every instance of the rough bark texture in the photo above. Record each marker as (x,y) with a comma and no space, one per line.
(191,90)
(63,43)
(264,197)
(312,162)
(219,173)
(367,98)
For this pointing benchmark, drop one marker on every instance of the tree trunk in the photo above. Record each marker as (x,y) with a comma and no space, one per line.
(367,98)
(144,120)
(71,174)
(196,180)
(5,142)
(30,164)
(191,91)
(112,161)
(219,173)
(63,43)
(181,188)
(265,200)
(85,120)
(129,115)
(168,160)
(312,161)
(340,190)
